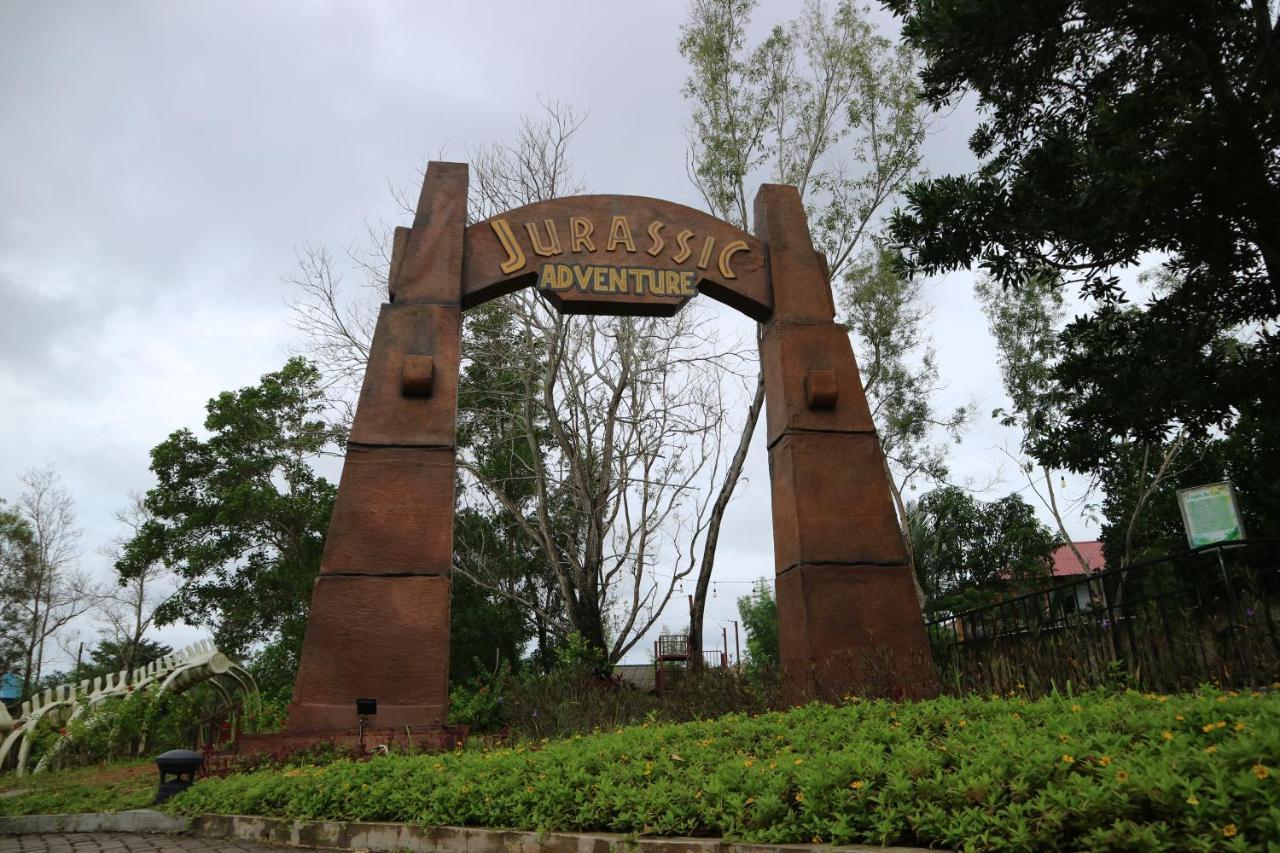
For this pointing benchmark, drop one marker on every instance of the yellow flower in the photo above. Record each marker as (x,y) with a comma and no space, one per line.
(1068,759)
(1206,728)
(1017,716)
(1211,749)
(800,796)
(962,724)
(1179,718)
(1240,727)
(1221,724)
(799,761)
(1261,771)
(1167,735)
(1229,831)
(1222,699)
(748,763)
(1076,709)
(750,800)
(1192,801)
(1121,775)
(697,795)
(1064,738)
(856,784)
(1105,760)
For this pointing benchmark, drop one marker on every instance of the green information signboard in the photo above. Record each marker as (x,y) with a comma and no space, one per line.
(1210,514)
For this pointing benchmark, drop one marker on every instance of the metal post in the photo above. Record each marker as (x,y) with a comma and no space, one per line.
(1226,581)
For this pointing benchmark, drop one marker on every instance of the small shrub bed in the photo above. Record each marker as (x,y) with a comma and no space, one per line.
(1096,771)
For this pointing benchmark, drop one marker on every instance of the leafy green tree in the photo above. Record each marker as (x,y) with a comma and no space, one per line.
(970,551)
(1111,131)
(240,515)
(1026,324)
(16,554)
(889,318)
(504,591)
(116,655)
(759,612)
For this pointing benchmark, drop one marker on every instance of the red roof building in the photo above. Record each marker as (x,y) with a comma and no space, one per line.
(1065,562)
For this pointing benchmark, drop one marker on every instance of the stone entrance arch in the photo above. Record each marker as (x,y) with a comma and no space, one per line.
(379,623)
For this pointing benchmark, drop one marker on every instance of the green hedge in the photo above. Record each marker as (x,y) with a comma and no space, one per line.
(1097,771)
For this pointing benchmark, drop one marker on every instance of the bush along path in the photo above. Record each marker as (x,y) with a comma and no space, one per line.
(1097,771)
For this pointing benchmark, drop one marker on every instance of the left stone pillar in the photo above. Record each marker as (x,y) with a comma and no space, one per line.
(379,621)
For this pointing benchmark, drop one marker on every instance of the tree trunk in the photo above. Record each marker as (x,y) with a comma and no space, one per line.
(731,477)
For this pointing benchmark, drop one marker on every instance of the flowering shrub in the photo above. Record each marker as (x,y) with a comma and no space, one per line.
(1094,771)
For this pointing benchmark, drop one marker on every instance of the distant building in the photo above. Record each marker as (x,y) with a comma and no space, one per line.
(1065,562)
(1066,567)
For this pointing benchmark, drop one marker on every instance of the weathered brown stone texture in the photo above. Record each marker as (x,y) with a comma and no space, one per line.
(379,621)
(848,617)
(385,638)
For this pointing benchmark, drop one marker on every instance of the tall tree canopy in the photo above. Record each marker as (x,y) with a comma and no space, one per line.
(240,515)
(1113,131)
(968,551)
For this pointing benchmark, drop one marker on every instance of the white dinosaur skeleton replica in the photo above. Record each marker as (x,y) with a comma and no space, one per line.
(198,663)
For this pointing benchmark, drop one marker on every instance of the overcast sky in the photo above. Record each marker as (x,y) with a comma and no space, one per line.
(161,163)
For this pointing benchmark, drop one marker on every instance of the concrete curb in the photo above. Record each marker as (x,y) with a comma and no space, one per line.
(137,820)
(394,837)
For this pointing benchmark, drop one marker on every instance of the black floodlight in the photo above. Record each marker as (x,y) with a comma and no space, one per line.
(367,707)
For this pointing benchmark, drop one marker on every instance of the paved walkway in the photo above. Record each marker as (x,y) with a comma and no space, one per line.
(124,842)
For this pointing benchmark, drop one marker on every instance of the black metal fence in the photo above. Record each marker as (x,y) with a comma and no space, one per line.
(1211,615)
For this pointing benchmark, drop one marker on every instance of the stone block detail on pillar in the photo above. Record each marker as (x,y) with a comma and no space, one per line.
(789,352)
(852,629)
(848,617)
(831,503)
(384,638)
(394,513)
(385,415)
(379,621)
(429,268)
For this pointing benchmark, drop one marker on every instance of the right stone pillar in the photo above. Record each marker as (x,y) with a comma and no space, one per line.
(848,617)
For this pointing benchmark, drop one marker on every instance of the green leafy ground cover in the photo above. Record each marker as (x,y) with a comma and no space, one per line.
(110,788)
(1097,771)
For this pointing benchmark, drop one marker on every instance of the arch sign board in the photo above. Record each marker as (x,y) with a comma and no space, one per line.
(848,616)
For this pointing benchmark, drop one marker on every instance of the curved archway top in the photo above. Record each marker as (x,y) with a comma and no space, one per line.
(615,254)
